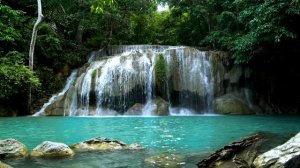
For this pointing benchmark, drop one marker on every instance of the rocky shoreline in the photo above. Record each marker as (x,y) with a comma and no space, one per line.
(239,154)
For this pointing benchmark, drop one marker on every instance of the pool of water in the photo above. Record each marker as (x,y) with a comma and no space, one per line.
(189,137)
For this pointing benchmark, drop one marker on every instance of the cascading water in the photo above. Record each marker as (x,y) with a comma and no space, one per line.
(126,83)
(148,108)
(194,80)
(70,80)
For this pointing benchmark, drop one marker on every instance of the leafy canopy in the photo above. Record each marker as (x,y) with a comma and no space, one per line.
(15,77)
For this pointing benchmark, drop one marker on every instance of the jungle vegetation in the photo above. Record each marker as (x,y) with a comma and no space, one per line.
(264,33)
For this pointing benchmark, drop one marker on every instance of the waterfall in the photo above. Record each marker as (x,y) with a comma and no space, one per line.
(126,82)
(194,76)
(69,82)
(147,110)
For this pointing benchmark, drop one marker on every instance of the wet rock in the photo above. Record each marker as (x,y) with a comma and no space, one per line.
(285,154)
(135,146)
(11,148)
(135,110)
(239,154)
(218,61)
(102,144)
(160,107)
(231,104)
(51,150)
(57,108)
(3,165)
(293,163)
(165,160)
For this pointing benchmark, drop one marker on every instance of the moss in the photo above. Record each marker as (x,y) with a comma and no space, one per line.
(94,74)
(215,60)
(160,70)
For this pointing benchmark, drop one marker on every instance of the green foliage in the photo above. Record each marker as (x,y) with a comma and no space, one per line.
(9,20)
(123,22)
(160,69)
(100,6)
(94,74)
(71,29)
(243,27)
(15,76)
(264,24)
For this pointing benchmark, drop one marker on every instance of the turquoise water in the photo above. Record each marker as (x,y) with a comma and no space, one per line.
(185,136)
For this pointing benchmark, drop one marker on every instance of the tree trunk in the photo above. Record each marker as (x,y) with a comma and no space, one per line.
(32,45)
(34,33)
(79,32)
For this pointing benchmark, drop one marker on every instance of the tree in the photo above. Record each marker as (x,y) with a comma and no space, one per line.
(14,75)
(32,45)
(34,33)
(242,27)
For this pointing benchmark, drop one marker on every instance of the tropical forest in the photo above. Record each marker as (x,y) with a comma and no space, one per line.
(150,83)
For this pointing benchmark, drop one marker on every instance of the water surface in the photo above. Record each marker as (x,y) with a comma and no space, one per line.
(188,136)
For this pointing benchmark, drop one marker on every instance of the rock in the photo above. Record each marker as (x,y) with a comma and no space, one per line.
(293,163)
(234,74)
(103,144)
(239,154)
(218,62)
(50,149)
(165,160)
(135,110)
(3,165)
(231,104)
(11,148)
(56,108)
(280,156)
(161,107)
(135,146)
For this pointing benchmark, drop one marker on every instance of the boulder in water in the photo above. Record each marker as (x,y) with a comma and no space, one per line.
(238,154)
(293,163)
(135,146)
(231,104)
(11,148)
(52,150)
(160,107)
(282,156)
(165,160)
(102,144)
(3,165)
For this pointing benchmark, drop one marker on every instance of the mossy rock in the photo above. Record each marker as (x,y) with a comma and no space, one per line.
(50,149)
(165,160)
(231,104)
(160,68)
(3,165)
(11,148)
(99,144)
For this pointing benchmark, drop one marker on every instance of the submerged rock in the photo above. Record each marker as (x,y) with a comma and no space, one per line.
(238,154)
(52,149)
(165,160)
(11,148)
(135,146)
(231,104)
(282,156)
(102,144)
(3,165)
